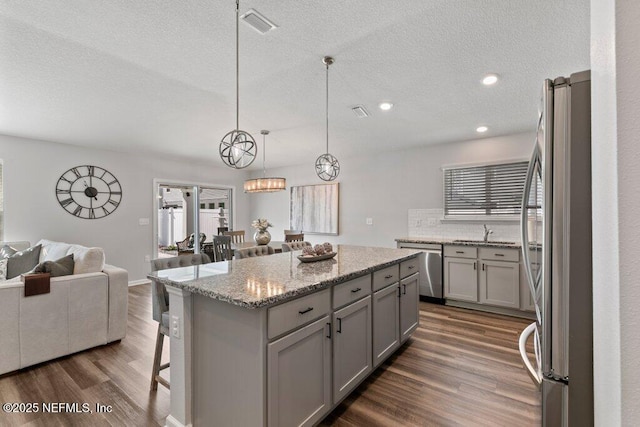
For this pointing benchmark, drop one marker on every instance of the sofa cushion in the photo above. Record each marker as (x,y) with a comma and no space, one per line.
(6,251)
(3,269)
(23,261)
(59,267)
(87,260)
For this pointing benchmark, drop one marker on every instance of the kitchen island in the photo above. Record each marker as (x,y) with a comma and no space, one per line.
(274,341)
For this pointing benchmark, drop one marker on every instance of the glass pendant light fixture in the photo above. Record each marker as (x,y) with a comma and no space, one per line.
(327,166)
(264,184)
(238,148)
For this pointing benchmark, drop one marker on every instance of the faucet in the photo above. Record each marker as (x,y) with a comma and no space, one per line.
(487,231)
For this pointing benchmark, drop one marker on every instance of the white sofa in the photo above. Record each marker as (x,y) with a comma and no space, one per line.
(83,310)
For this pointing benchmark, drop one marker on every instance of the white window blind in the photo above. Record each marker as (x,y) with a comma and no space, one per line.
(488,190)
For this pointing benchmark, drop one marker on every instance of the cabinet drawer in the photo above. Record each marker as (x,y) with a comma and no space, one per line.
(353,290)
(385,277)
(500,254)
(292,314)
(408,267)
(461,251)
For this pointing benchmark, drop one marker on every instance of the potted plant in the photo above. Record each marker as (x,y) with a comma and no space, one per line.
(261,236)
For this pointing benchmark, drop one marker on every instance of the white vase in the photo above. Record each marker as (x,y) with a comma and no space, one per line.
(262,237)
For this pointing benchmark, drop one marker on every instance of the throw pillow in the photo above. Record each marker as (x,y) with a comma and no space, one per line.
(23,261)
(57,268)
(3,269)
(6,251)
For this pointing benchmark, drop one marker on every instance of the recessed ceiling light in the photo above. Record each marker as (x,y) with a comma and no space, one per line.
(490,79)
(482,129)
(385,106)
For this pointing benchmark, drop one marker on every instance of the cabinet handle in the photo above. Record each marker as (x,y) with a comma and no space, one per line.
(474,265)
(499,254)
(483,266)
(355,290)
(459,252)
(305,311)
(388,276)
(339,325)
(404,289)
(399,294)
(411,267)
(329,325)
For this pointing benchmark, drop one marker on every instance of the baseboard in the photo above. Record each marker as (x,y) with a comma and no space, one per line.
(172,422)
(491,309)
(432,300)
(139,282)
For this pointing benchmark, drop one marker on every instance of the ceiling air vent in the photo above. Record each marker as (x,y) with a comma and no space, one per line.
(258,22)
(359,111)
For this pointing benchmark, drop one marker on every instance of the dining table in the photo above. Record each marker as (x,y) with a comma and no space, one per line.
(276,245)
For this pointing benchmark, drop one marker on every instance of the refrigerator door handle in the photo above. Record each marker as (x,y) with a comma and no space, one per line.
(535,374)
(524,218)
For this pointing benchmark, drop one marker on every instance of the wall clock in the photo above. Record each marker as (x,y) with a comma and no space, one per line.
(88,192)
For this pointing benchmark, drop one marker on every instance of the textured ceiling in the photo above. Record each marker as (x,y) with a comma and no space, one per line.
(158,75)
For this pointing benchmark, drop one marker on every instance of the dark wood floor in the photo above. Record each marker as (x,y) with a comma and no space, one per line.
(460,368)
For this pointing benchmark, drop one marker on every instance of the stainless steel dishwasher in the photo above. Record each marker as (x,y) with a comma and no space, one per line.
(430,270)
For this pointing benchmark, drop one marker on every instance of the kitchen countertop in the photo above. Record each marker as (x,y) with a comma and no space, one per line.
(267,280)
(456,242)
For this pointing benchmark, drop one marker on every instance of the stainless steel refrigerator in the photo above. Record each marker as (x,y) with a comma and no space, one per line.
(556,248)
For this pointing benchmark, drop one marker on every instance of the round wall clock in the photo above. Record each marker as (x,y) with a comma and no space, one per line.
(88,192)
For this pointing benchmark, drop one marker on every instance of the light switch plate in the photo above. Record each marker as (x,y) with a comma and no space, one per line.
(369,221)
(175,326)
(143,221)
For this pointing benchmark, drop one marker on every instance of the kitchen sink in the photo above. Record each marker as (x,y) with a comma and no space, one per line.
(483,242)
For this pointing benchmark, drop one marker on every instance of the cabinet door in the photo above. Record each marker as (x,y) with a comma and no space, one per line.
(461,279)
(351,347)
(386,323)
(299,376)
(409,310)
(500,283)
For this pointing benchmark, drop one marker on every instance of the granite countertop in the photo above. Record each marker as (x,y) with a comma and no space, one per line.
(459,242)
(267,280)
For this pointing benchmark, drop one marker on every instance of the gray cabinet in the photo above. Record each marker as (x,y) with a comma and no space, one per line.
(386,322)
(351,347)
(500,283)
(299,376)
(409,310)
(461,279)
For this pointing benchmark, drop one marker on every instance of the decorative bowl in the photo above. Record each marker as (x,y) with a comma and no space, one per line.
(304,258)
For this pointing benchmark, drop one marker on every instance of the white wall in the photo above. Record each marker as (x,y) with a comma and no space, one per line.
(615,61)
(385,186)
(32,168)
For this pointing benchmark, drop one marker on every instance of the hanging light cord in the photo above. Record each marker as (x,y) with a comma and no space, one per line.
(264,169)
(327,107)
(237,65)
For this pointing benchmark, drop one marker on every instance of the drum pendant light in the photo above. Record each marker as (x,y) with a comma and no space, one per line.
(238,148)
(264,184)
(327,166)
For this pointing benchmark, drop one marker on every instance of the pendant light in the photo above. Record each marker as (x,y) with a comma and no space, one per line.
(238,148)
(264,184)
(327,166)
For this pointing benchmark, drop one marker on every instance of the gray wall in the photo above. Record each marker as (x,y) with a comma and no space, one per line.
(32,168)
(615,61)
(385,186)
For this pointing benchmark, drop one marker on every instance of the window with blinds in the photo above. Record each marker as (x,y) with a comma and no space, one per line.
(488,190)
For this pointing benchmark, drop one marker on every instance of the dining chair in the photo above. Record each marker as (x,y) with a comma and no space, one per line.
(236,236)
(254,251)
(222,248)
(293,237)
(183,247)
(160,307)
(294,246)
(222,230)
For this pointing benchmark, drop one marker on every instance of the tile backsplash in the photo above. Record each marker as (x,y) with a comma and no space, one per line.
(429,223)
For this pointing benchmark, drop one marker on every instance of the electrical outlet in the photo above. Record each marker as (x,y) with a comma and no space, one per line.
(418,223)
(431,222)
(143,221)
(369,221)
(147,258)
(175,326)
